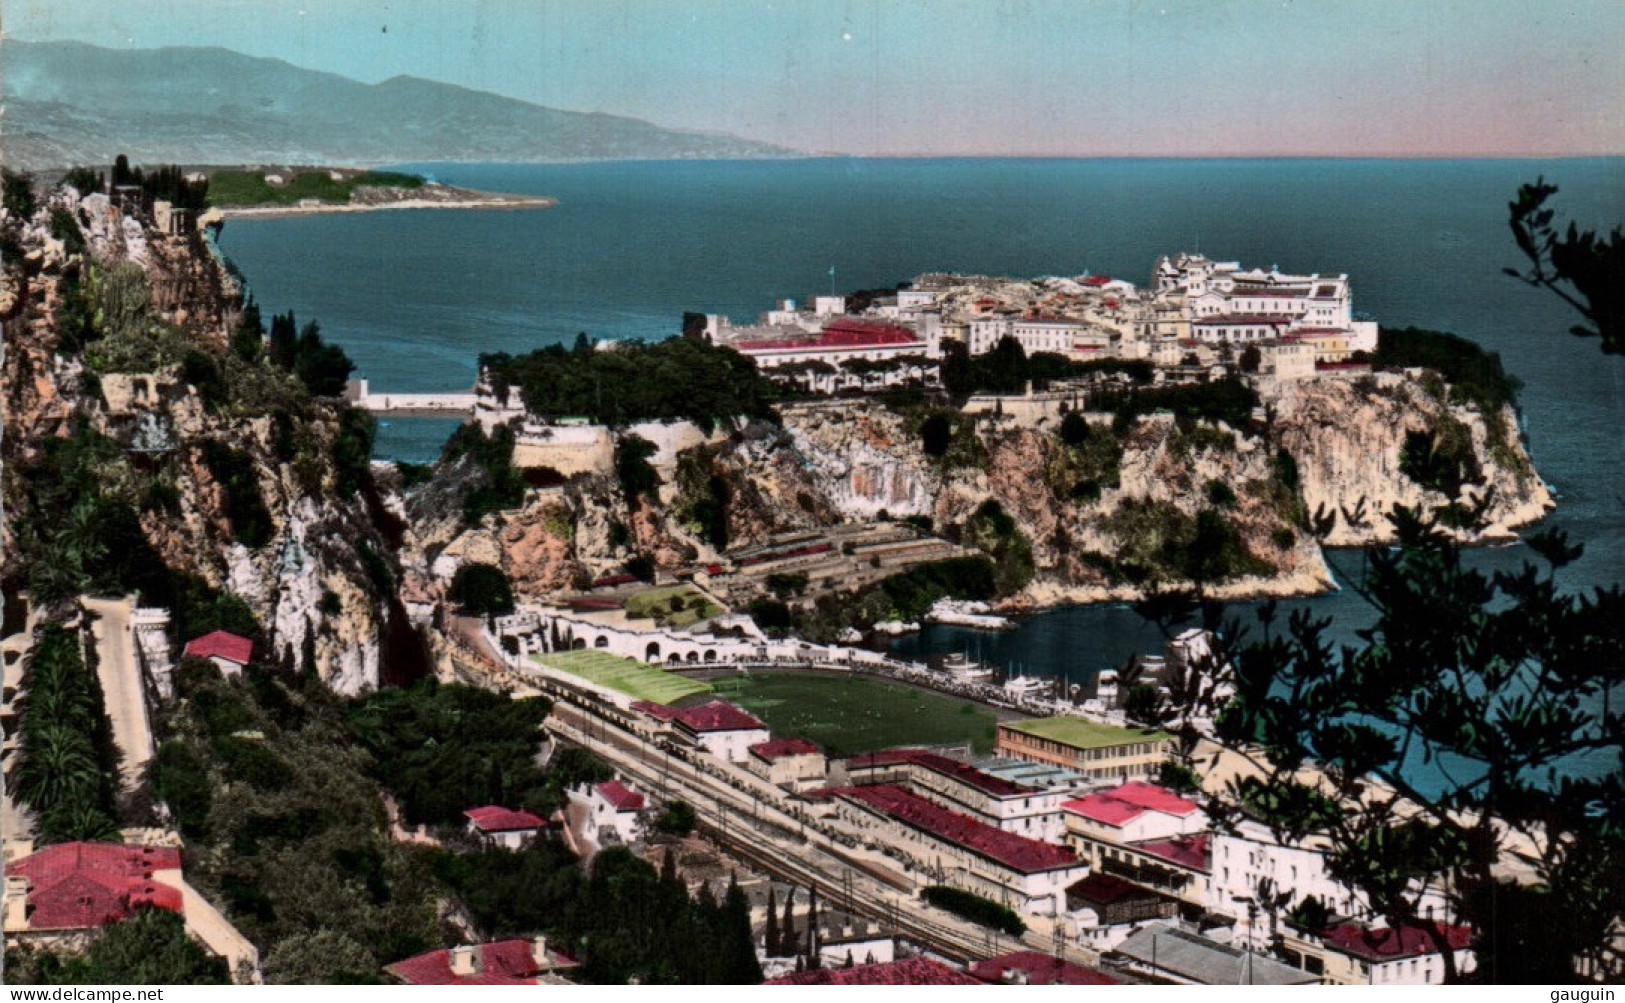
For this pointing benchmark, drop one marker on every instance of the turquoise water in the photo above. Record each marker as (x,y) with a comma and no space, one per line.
(415,297)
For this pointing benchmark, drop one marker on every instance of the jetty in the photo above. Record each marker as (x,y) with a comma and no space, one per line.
(445,404)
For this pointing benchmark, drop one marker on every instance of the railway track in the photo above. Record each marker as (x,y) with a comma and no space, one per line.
(762,834)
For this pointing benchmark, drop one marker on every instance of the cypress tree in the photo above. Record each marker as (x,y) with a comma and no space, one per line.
(770,939)
(740,966)
(787,926)
(813,961)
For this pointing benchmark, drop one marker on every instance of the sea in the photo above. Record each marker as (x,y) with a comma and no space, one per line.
(416,296)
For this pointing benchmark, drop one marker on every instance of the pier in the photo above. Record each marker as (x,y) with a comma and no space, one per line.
(451,404)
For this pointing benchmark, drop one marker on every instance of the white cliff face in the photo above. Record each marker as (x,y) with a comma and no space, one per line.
(863,460)
(1348,435)
(299,575)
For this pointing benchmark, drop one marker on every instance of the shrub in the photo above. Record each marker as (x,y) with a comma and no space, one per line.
(975,908)
(481,590)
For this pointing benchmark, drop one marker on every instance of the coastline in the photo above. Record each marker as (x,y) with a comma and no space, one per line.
(485,202)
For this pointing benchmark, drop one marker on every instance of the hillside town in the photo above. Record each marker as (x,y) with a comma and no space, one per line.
(175,720)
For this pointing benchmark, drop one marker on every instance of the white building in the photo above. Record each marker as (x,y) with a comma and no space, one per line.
(792,763)
(1132,813)
(614,811)
(721,729)
(1224,304)
(1007,805)
(1350,954)
(503,827)
(955,849)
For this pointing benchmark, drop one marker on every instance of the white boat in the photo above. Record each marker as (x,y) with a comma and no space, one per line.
(963,669)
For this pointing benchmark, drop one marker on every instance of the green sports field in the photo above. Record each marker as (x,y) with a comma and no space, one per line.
(849,715)
(624,675)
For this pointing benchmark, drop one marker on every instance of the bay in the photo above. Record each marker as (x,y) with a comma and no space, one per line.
(415,297)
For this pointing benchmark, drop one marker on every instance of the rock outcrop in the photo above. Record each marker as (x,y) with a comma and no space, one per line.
(1348,437)
(1156,504)
(316,574)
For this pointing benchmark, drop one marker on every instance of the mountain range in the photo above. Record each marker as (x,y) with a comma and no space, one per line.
(68,103)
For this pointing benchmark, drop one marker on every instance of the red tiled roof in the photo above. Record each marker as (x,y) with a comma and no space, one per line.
(617,794)
(779,748)
(845,333)
(220,644)
(1387,944)
(1106,889)
(78,886)
(1041,970)
(502,963)
(908,972)
(1128,802)
(717,715)
(1097,281)
(1190,852)
(963,772)
(1029,856)
(492,818)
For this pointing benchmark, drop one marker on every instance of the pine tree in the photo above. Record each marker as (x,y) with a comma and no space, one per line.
(668,867)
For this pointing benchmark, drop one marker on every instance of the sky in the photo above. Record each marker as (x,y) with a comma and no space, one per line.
(1537,78)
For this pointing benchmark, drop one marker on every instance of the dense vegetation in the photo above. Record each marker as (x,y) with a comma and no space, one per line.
(1475,376)
(150,948)
(285,829)
(1159,543)
(991,530)
(249,188)
(499,485)
(1008,369)
(444,749)
(1228,400)
(976,909)
(68,768)
(321,367)
(633,381)
(481,590)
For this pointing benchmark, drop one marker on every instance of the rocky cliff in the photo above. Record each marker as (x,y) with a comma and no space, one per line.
(1107,510)
(197,463)
(1349,437)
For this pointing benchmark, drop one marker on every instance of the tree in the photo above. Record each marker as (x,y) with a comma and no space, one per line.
(679,819)
(149,948)
(1581,268)
(770,937)
(739,964)
(481,590)
(632,468)
(320,957)
(1454,729)
(17,194)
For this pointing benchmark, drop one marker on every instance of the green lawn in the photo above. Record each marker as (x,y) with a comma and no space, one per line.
(623,675)
(849,715)
(1085,734)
